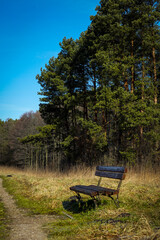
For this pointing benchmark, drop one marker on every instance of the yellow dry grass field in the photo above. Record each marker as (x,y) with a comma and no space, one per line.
(138,216)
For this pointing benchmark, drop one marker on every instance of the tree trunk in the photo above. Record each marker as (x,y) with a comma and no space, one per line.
(43,159)
(31,163)
(125,81)
(143,76)
(37,150)
(132,68)
(46,151)
(95,98)
(142,95)
(85,110)
(104,119)
(155,75)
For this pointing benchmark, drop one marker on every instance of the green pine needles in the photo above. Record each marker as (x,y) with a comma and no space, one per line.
(101,93)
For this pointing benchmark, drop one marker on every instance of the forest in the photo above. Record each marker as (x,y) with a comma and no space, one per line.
(99,98)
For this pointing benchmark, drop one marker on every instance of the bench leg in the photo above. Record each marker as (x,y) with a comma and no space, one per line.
(98,198)
(95,202)
(116,201)
(79,198)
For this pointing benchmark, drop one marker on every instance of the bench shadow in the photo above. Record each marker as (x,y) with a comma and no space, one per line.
(75,207)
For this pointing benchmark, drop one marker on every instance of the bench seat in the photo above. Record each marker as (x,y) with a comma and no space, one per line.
(93,190)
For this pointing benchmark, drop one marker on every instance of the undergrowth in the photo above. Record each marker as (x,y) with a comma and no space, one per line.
(137,218)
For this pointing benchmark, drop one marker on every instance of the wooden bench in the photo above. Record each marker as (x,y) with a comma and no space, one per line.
(94,191)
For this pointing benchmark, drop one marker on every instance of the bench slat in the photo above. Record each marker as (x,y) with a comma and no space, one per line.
(103,190)
(84,189)
(111,169)
(93,190)
(114,175)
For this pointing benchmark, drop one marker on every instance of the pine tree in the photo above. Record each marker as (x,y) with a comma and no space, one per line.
(106,83)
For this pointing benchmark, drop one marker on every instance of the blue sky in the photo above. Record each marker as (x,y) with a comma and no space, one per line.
(30,32)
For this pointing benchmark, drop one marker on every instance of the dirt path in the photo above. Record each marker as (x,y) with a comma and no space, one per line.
(23,227)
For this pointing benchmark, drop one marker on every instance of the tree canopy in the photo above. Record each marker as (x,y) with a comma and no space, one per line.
(102,91)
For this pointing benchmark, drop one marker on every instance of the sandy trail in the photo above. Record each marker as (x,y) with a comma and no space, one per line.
(23,227)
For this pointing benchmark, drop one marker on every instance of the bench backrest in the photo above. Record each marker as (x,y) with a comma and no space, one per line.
(111,172)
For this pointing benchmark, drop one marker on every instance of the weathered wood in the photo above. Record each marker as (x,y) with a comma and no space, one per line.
(103,190)
(84,190)
(120,176)
(111,169)
(93,190)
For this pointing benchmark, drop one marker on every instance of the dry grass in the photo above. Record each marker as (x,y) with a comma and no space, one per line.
(3,222)
(137,218)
